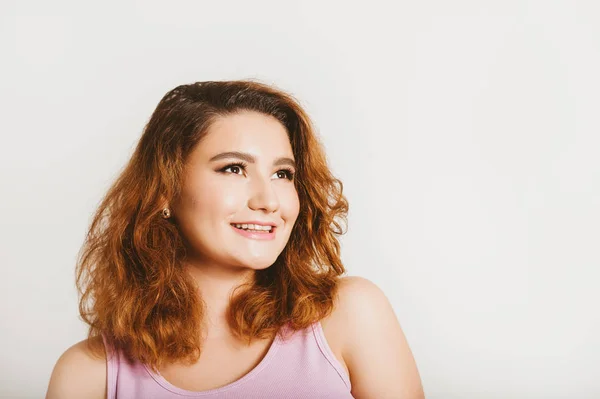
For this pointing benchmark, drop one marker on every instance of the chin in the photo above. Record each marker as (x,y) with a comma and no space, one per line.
(258,263)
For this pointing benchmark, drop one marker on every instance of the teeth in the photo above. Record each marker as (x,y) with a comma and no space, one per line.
(254,227)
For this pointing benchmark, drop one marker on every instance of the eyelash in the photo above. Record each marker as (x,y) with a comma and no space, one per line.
(242,165)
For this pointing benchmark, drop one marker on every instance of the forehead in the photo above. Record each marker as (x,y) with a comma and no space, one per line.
(259,134)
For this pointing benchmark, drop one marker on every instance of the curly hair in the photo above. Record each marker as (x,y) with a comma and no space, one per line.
(133,289)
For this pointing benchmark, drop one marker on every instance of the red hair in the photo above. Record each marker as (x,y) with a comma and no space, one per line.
(129,275)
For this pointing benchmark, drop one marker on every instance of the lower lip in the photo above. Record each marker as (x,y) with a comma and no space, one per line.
(256,236)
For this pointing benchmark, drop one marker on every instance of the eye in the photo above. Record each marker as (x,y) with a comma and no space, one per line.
(241,166)
(234,167)
(286,174)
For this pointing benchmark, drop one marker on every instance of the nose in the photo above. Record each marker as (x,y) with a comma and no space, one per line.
(263,196)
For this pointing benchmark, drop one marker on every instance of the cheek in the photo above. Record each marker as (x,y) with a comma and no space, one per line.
(291,207)
(216,202)
(208,200)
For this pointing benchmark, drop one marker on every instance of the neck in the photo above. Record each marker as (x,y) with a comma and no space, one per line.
(216,285)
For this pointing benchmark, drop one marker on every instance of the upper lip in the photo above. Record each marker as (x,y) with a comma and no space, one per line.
(258,223)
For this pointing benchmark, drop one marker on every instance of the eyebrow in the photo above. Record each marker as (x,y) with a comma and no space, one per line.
(251,159)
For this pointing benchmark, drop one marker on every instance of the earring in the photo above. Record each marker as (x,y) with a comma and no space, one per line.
(166,213)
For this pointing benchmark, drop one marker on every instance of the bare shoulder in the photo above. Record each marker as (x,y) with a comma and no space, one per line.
(374,348)
(79,373)
(358,294)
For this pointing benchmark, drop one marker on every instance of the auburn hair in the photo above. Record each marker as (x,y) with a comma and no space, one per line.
(131,285)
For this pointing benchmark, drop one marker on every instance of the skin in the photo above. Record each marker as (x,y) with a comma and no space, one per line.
(363,330)
(214,195)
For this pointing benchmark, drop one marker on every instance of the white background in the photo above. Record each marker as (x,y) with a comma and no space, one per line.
(467,135)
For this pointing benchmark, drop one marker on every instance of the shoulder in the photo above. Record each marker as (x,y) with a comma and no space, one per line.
(359,298)
(374,347)
(357,284)
(79,373)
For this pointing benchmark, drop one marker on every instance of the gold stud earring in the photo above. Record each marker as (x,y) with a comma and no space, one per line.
(166,213)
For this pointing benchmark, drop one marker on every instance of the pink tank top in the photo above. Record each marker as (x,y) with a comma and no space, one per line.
(301,366)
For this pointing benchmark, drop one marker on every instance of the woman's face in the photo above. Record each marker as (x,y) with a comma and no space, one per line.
(221,189)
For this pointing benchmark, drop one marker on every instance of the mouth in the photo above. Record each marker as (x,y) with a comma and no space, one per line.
(256,232)
(254,226)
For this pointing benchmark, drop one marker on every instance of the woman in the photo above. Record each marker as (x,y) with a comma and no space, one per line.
(212,266)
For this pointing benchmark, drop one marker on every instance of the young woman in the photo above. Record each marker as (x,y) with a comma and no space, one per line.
(212,266)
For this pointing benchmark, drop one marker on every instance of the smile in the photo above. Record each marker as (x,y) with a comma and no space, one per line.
(256,234)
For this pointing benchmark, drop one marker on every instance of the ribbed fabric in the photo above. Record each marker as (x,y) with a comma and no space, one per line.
(300,366)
